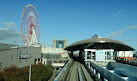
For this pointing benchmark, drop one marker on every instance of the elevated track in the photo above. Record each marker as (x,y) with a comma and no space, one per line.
(78,72)
(74,70)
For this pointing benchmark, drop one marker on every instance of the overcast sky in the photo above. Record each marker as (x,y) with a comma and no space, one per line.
(74,20)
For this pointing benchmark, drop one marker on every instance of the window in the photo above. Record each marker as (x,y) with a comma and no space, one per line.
(89,55)
(60,61)
(55,61)
(93,55)
(93,52)
(1,64)
(12,56)
(108,55)
(20,61)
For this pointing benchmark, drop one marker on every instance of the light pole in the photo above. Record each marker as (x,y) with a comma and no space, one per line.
(30,73)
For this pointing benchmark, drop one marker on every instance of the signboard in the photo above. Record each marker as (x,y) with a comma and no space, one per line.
(23,56)
(100,55)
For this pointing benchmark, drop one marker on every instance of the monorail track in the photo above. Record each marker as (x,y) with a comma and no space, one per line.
(78,72)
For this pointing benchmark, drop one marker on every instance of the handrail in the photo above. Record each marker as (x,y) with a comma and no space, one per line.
(59,77)
(106,74)
(79,73)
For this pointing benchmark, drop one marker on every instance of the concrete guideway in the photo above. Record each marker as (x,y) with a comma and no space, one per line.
(74,72)
(78,72)
(86,74)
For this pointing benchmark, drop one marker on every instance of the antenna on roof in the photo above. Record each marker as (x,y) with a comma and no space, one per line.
(95,36)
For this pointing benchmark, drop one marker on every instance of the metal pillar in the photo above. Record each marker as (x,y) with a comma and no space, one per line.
(111,55)
(85,55)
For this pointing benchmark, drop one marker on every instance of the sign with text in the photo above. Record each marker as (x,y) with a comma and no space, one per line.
(100,55)
(23,56)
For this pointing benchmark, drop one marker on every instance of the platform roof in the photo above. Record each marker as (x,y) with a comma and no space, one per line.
(99,43)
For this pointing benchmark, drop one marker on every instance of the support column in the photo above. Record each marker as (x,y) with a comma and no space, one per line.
(88,64)
(98,74)
(101,77)
(106,56)
(85,55)
(111,55)
(91,69)
(117,53)
(105,79)
(94,71)
(124,55)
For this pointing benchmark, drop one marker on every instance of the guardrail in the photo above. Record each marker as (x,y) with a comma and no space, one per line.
(79,73)
(127,70)
(62,74)
(104,74)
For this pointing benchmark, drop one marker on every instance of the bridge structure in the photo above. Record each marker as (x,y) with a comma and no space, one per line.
(89,67)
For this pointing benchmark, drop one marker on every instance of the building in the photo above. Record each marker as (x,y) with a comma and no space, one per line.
(19,56)
(55,56)
(59,43)
(97,49)
(22,56)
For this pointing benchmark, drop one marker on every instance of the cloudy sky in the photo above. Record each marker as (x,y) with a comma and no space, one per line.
(74,20)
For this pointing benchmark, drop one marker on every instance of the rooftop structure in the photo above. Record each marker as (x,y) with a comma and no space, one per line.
(5,46)
(99,43)
(59,43)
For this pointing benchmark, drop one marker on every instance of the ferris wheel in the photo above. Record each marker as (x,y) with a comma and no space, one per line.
(30,26)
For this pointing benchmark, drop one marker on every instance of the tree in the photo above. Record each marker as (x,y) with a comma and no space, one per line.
(40,72)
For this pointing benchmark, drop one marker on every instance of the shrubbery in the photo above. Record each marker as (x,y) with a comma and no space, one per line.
(39,72)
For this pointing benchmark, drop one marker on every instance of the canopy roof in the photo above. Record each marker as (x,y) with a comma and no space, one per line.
(99,43)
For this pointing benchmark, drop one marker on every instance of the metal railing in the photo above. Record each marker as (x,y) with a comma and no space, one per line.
(104,73)
(64,71)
